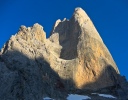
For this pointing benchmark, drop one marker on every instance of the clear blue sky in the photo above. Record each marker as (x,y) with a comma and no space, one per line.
(109,16)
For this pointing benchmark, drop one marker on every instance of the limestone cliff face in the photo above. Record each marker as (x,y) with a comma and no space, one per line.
(32,66)
(81,42)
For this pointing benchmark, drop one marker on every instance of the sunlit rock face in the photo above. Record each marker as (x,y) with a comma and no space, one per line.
(81,42)
(73,57)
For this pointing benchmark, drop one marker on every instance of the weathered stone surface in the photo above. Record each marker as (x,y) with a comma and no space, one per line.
(73,58)
(81,41)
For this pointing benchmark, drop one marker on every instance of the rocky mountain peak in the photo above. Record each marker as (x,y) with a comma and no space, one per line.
(35,32)
(80,15)
(74,59)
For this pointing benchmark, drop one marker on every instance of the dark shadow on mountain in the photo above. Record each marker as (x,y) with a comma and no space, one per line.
(116,84)
(26,78)
(108,76)
(68,39)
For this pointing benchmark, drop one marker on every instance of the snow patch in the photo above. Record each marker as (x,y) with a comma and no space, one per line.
(105,95)
(47,98)
(77,97)
(94,93)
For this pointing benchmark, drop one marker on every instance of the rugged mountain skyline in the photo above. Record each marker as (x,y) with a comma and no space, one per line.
(73,59)
(111,25)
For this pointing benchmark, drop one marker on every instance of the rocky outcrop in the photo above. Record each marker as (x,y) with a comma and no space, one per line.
(73,58)
(81,42)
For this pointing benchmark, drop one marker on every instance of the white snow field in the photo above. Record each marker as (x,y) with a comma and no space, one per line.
(77,97)
(47,98)
(105,95)
(82,97)
(72,97)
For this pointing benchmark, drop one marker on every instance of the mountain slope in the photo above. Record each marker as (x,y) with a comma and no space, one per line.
(73,59)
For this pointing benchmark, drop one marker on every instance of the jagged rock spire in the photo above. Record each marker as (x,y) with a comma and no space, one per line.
(74,55)
(80,40)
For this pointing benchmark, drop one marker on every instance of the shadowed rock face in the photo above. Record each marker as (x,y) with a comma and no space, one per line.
(74,55)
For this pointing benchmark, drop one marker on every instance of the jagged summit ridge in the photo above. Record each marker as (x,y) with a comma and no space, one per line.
(73,56)
(35,32)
